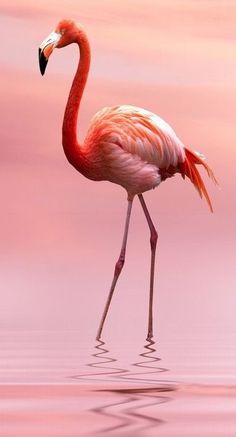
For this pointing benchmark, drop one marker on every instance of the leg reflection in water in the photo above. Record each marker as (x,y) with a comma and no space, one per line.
(134,392)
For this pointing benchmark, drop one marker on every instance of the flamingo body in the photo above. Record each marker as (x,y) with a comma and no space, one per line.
(126,145)
(129,146)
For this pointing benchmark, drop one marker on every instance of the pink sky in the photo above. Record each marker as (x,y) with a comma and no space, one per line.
(60,233)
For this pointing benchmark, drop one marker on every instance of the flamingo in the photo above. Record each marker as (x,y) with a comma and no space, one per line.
(126,145)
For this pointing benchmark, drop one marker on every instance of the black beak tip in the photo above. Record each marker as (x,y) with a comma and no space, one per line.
(42,62)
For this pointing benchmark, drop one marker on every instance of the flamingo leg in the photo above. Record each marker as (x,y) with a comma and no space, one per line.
(118,268)
(153,242)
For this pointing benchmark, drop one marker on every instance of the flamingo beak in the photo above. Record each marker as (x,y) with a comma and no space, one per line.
(46,49)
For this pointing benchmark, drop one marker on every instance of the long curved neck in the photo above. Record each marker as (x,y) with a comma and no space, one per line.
(71,146)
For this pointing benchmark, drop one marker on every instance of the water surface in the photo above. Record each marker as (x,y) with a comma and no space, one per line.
(55,384)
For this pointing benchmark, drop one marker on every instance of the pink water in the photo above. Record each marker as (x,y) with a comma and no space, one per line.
(56,384)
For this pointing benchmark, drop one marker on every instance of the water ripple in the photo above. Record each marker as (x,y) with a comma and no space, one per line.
(128,410)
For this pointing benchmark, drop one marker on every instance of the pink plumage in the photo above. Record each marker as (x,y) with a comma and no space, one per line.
(133,144)
(126,145)
(136,149)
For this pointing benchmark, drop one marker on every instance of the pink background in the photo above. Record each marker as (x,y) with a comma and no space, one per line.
(60,233)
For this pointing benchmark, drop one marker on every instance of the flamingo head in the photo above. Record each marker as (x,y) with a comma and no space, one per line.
(63,35)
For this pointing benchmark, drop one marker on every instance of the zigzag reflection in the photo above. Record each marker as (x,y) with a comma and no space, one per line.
(139,398)
(128,412)
(109,371)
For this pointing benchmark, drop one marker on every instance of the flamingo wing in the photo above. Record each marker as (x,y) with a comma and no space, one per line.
(140,133)
(138,150)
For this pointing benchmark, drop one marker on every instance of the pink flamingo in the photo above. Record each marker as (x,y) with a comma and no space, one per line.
(125,145)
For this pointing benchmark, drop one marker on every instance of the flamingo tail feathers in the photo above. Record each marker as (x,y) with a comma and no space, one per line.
(189,169)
